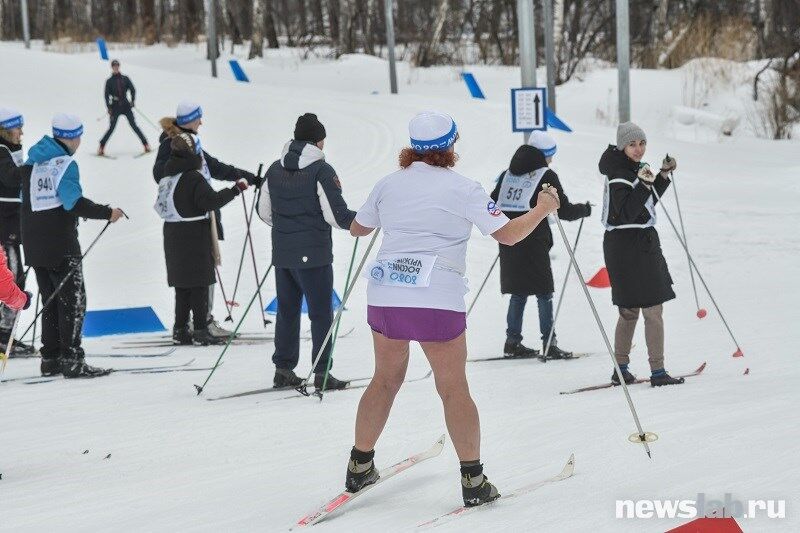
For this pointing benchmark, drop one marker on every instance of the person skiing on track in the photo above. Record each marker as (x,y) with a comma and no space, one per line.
(525,267)
(302,201)
(640,279)
(11,159)
(188,119)
(417,286)
(115,96)
(52,202)
(184,200)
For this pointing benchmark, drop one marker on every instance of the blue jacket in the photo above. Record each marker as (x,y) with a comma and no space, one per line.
(51,236)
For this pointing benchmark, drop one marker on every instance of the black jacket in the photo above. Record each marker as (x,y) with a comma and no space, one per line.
(51,236)
(219,170)
(525,267)
(302,200)
(10,178)
(187,245)
(116,93)
(636,266)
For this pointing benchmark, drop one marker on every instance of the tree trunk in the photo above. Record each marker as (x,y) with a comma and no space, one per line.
(257,37)
(333,20)
(269,25)
(46,18)
(318,17)
(427,52)
(149,22)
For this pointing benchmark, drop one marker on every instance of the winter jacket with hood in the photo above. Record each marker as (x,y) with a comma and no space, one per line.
(50,236)
(218,169)
(10,294)
(525,267)
(631,246)
(302,199)
(10,178)
(187,244)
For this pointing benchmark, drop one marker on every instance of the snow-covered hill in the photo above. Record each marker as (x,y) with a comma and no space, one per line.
(180,463)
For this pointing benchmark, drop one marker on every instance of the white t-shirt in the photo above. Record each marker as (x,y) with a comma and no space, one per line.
(428,211)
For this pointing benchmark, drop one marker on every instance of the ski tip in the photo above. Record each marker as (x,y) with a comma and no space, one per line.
(199,389)
(746,371)
(569,468)
(700,368)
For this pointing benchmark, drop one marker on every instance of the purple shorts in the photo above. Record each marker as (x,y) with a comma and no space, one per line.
(416,323)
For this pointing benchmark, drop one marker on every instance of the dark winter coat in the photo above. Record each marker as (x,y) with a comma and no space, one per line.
(10,179)
(116,93)
(302,199)
(187,245)
(51,236)
(219,170)
(636,266)
(525,267)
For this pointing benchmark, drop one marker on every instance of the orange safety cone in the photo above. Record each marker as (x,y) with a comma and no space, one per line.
(600,280)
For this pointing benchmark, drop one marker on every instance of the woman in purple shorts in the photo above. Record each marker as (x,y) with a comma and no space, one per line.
(417,287)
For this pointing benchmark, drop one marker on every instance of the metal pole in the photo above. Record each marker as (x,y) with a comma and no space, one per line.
(550,54)
(683,232)
(561,296)
(26,30)
(483,284)
(390,45)
(623,61)
(527,45)
(212,36)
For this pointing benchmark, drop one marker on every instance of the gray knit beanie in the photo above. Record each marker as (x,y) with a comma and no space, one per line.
(627,132)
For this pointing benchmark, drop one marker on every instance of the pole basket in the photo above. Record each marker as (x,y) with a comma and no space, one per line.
(303,389)
(738,352)
(642,438)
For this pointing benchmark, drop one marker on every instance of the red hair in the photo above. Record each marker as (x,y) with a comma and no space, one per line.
(435,159)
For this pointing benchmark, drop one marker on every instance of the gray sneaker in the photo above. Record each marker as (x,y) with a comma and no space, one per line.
(215,330)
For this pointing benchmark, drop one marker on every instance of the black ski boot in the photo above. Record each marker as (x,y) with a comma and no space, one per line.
(516,350)
(361,470)
(182,336)
(475,486)
(19,349)
(285,378)
(626,375)
(556,353)
(662,378)
(204,338)
(50,367)
(331,384)
(77,368)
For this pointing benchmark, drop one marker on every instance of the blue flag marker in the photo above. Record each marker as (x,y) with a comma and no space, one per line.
(472,85)
(336,303)
(120,321)
(554,122)
(101,47)
(238,71)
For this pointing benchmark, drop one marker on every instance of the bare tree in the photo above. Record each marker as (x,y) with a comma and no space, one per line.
(257,37)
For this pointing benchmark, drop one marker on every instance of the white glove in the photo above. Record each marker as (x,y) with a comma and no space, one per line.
(646,175)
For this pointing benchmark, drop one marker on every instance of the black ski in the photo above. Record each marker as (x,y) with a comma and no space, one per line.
(350,387)
(575,355)
(163,353)
(35,380)
(637,382)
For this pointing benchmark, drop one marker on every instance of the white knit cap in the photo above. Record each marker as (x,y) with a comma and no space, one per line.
(67,126)
(10,119)
(432,131)
(187,112)
(544,142)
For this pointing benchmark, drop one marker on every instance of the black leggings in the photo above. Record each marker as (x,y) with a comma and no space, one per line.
(194,299)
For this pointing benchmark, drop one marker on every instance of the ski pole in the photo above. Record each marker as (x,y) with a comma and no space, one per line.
(249,219)
(146,118)
(561,296)
(228,304)
(738,352)
(66,278)
(249,239)
(200,388)
(4,355)
(336,331)
(35,312)
(701,313)
(302,388)
(641,436)
(483,284)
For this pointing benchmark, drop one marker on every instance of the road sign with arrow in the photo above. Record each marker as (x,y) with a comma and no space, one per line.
(528,109)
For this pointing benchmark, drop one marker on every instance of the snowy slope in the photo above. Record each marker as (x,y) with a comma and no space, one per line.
(258,463)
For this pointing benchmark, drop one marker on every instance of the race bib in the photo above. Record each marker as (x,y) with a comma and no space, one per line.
(45,179)
(204,167)
(17,157)
(404,270)
(165,203)
(516,192)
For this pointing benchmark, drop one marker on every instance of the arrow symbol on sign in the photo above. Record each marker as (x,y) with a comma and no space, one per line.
(536,102)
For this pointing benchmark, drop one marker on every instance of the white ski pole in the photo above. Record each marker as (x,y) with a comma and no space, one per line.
(641,437)
(480,289)
(7,353)
(302,388)
(738,352)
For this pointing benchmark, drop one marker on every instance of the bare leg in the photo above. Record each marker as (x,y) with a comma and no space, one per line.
(448,361)
(391,362)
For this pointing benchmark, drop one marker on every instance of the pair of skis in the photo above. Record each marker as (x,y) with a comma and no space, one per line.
(638,381)
(159,369)
(345,497)
(240,340)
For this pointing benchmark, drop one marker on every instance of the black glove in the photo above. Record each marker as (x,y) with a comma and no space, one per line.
(587,210)
(257,181)
(28,300)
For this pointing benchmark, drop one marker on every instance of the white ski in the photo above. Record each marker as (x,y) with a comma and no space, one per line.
(566,472)
(347,497)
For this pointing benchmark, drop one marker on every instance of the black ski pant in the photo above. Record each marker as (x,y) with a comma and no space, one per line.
(194,299)
(62,319)
(115,114)
(7,315)
(291,284)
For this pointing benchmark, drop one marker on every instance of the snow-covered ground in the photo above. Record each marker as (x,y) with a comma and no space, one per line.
(144,453)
